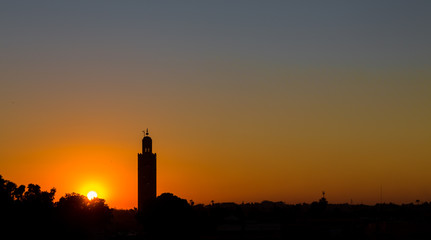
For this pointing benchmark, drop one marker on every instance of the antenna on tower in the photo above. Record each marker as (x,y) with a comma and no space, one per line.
(146,132)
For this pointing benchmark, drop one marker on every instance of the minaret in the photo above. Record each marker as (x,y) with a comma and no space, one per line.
(146,173)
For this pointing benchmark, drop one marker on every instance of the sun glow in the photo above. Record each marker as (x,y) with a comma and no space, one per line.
(91,195)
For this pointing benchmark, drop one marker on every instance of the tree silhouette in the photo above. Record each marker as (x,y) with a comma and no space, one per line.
(36,198)
(77,212)
(19,192)
(169,216)
(34,210)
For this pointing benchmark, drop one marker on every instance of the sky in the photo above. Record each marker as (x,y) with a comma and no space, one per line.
(245,100)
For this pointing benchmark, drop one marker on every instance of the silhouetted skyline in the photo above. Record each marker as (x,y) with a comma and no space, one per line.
(74,216)
(249,100)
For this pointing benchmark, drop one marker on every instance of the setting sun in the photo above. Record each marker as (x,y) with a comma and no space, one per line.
(91,195)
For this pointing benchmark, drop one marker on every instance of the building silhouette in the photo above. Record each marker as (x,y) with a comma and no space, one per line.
(146,173)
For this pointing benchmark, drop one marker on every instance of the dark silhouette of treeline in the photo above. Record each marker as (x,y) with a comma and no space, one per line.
(174,217)
(29,213)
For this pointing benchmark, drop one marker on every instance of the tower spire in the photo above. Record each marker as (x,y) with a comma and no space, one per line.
(146,173)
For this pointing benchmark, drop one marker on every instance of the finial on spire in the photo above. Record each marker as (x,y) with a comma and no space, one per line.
(145,132)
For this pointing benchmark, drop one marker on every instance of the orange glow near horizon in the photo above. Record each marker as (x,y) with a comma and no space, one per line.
(241,166)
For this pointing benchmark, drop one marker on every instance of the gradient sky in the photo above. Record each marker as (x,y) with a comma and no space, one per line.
(245,100)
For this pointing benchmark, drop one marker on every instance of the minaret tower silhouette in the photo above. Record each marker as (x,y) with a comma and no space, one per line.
(146,173)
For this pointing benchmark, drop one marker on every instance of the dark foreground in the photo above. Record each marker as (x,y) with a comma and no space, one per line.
(29,213)
(276,220)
